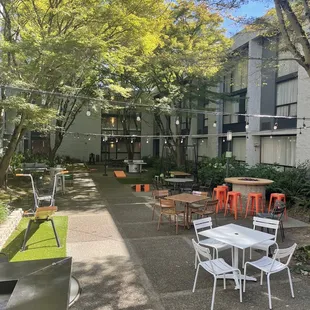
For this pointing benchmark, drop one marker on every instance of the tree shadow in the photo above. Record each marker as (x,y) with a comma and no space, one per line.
(12,248)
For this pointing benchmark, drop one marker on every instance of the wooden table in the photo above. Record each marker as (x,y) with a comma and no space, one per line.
(187,199)
(180,174)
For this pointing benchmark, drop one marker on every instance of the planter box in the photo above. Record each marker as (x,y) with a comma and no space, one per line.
(9,226)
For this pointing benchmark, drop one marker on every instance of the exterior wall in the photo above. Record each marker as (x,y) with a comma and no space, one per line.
(254,99)
(146,129)
(82,147)
(303,110)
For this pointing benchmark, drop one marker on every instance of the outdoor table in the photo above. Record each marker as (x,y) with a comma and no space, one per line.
(187,199)
(239,237)
(178,174)
(176,181)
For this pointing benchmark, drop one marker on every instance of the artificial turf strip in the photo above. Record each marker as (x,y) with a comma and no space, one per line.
(41,244)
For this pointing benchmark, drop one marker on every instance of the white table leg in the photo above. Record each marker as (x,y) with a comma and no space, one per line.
(235,276)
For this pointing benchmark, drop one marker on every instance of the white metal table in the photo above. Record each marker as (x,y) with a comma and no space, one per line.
(239,237)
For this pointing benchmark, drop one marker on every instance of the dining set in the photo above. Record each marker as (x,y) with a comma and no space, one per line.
(211,241)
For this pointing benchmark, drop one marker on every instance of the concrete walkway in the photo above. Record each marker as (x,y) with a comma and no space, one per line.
(123,262)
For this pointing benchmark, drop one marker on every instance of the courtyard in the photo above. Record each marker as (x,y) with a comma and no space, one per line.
(123,262)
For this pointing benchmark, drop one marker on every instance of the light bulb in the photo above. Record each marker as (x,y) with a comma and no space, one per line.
(224,140)
(89,138)
(275,126)
(182,140)
(88,113)
(116,140)
(147,140)
(270,137)
(165,141)
(202,141)
(304,123)
(103,139)
(214,124)
(247,125)
(138,118)
(131,141)
(177,122)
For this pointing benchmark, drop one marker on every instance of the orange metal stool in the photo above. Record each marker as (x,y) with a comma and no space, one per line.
(220,195)
(226,189)
(273,198)
(232,203)
(255,201)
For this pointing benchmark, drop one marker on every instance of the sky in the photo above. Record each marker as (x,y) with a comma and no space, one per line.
(252,9)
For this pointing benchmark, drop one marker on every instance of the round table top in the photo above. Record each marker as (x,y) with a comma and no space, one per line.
(248,181)
(179,180)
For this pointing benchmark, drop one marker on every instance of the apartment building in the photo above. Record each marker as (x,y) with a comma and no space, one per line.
(264,82)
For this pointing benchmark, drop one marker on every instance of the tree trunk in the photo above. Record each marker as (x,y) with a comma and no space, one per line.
(53,150)
(5,161)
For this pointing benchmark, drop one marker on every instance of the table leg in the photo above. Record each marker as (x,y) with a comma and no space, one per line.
(235,276)
(186,214)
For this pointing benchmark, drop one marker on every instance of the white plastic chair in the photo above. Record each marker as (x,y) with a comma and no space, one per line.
(217,246)
(273,265)
(259,222)
(216,267)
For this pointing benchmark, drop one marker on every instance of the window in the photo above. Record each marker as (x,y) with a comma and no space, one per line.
(238,78)
(280,150)
(287,98)
(205,120)
(240,75)
(239,148)
(232,106)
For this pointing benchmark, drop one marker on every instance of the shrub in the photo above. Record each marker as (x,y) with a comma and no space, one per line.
(294,182)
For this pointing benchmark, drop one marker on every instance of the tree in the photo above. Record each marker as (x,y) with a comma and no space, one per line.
(60,46)
(182,69)
(294,18)
(27,116)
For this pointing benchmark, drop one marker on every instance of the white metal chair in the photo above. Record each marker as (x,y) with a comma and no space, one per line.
(217,246)
(37,198)
(216,267)
(273,265)
(259,222)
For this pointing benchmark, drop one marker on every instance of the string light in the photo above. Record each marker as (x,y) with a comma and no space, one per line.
(270,137)
(247,125)
(224,140)
(214,124)
(89,138)
(275,126)
(147,140)
(138,118)
(177,121)
(304,123)
(116,140)
(88,113)
(131,141)
(125,104)
(165,141)
(181,140)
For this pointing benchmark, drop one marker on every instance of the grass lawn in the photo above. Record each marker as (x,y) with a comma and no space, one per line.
(41,244)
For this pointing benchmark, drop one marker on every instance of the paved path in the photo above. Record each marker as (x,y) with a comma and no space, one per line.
(123,262)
